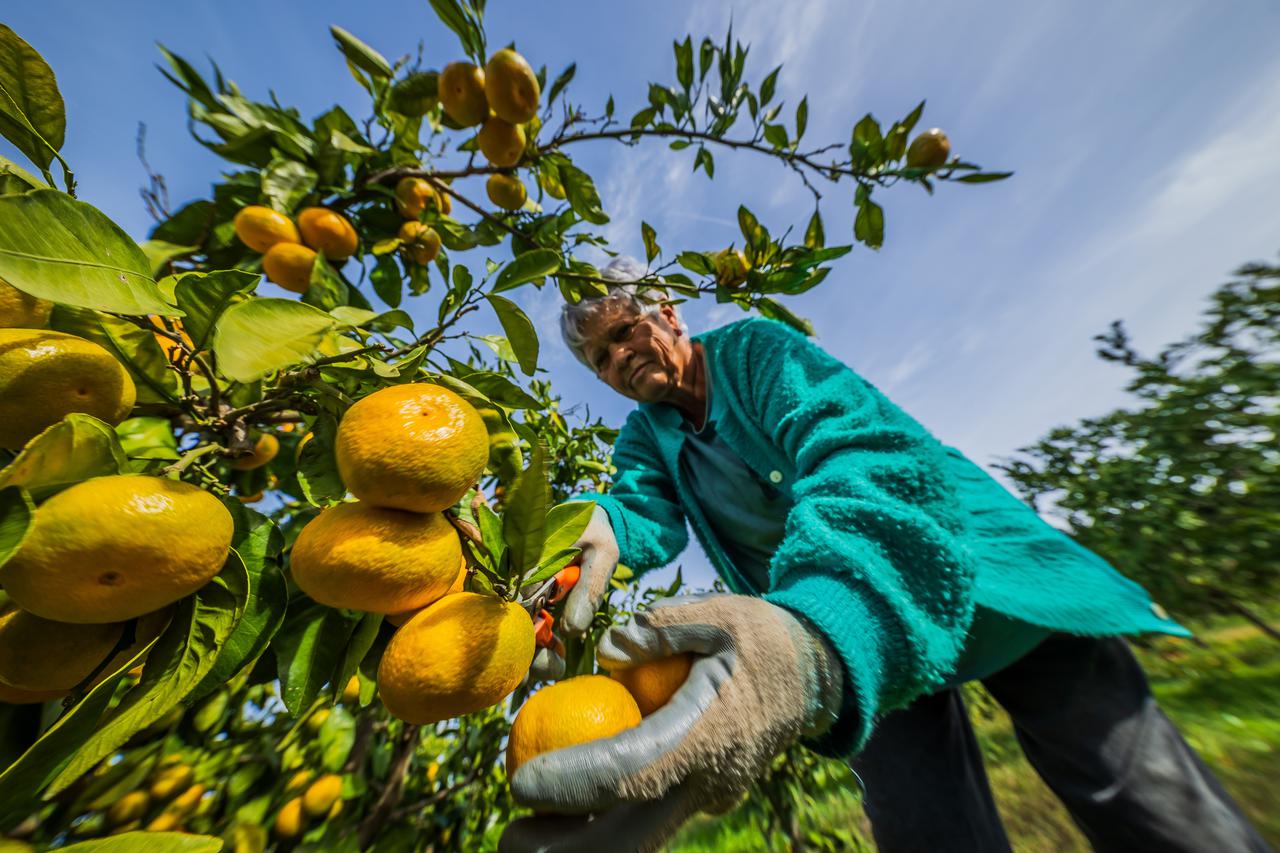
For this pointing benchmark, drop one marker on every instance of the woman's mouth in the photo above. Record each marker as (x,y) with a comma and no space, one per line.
(636,372)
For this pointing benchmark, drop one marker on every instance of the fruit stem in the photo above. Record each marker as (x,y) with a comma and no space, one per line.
(189,457)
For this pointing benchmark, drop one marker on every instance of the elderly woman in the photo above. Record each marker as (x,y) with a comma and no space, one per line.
(874,570)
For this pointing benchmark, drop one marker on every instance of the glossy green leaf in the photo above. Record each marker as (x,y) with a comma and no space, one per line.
(360,54)
(777,311)
(869,224)
(259,336)
(160,253)
(387,281)
(286,182)
(684,62)
(147,438)
(582,194)
(524,515)
(15,179)
(76,448)
(696,262)
(982,177)
(465,19)
(57,248)
(327,290)
(17,511)
(802,117)
(362,639)
(561,82)
(309,647)
(134,347)
(32,115)
(520,332)
(650,237)
(565,524)
(768,85)
(527,267)
(204,296)
(317,465)
(814,235)
(149,842)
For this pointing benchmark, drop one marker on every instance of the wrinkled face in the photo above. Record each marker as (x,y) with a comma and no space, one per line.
(640,357)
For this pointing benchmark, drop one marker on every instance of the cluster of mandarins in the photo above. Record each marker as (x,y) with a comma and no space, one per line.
(289,250)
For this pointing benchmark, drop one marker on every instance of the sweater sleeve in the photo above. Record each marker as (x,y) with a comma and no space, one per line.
(873,553)
(642,505)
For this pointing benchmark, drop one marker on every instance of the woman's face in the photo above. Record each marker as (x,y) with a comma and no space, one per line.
(641,357)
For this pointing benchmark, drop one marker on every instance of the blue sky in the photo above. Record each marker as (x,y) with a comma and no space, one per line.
(1143,136)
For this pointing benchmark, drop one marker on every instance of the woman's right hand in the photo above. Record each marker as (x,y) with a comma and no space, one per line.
(599,560)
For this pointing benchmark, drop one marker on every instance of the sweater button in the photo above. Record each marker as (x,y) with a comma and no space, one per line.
(1159,611)
(775,476)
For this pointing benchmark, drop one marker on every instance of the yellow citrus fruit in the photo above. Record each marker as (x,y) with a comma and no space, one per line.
(328,233)
(14,696)
(417,447)
(289,265)
(260,228)
(20,310)
(929,150)
(732,267)
(364,557)
(40,654)
(171,348)
(321,795)
(462,93)
(351,693)
(250,499)
(164,822)
(416,195)
(506,191)
(459,582)
(567,713)
(112,548)
(421,242)
(290,821)
(654,683)
(415,95)
(511,87)
(501,142)
(433,771)
(264,450)
(132,806)
(297,782)
(46,375)
(317,720)
(186,802)
(171,781)
(464,653)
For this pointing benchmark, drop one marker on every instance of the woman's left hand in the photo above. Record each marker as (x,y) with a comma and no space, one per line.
(761,679)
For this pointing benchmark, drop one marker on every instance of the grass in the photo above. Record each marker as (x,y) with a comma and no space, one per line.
(1222,698)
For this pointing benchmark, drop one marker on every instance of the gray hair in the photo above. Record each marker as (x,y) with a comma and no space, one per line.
(632,296)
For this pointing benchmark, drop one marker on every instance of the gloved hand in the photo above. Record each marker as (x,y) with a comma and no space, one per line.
(599,560)
(762,679)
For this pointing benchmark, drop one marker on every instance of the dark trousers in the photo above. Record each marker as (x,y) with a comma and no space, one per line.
(1086,720)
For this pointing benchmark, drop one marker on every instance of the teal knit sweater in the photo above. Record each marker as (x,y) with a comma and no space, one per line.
(892,538)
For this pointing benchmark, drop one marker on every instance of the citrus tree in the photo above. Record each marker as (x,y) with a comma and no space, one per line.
(274,569)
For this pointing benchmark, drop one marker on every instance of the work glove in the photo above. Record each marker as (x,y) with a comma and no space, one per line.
(761,678)
(598,560)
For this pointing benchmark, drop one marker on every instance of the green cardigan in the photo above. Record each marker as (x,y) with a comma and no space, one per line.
(892,538)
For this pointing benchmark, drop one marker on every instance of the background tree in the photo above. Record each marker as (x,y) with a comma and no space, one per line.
(1182,491)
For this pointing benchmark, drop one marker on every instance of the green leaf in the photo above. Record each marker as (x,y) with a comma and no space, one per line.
(650,237)
(869,224)
(704,159)
(76,448)
(910,121)
(387,282)
(814,236)
(754,234)
(32,115)
(57,248)
(560,82)
(160,253)
(776,135)
(527,267)
(776,311)
(327,290)
(309,648)
(696,262)
(581,193)
(338,735)
(147,438)
(565,524)
(178,662)
(767,87)
(520,332)
(524,516)
(17,511)
(491,532)
(134,347)
(262,335)
(15,179)
(684,62)
(204,296)
(802,117)
(317,465)
(360,54)
(982,177)
(287,182)
(550,564)
(466,22)
(362,639)
(258,542)
(142,841)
